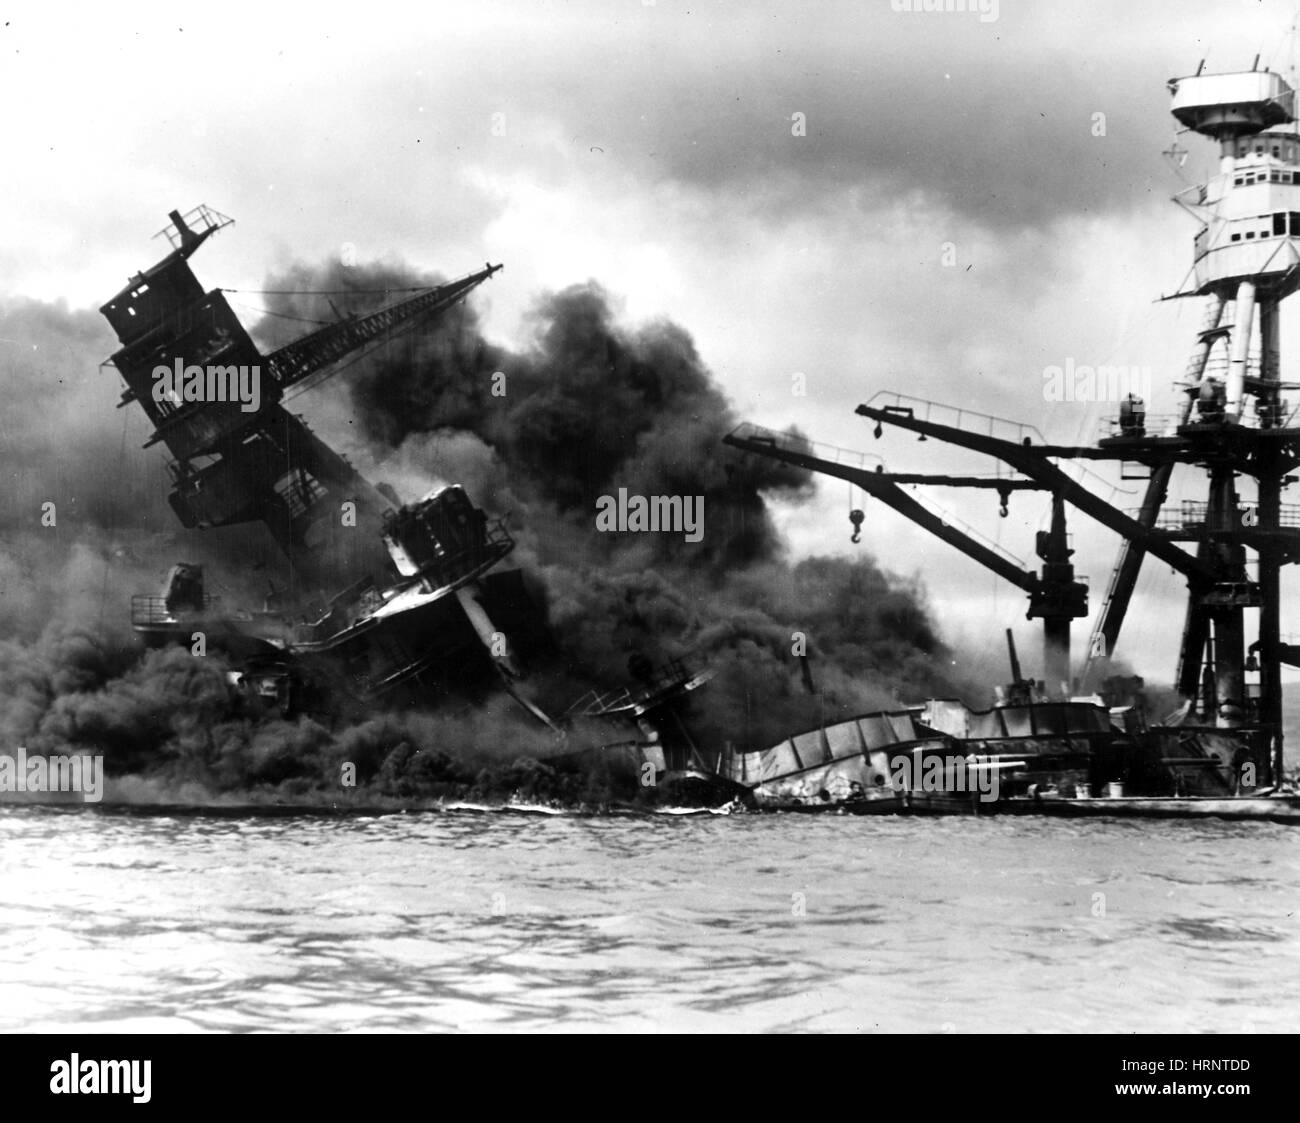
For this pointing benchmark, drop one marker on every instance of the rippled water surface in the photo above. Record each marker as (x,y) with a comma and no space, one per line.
(123,921)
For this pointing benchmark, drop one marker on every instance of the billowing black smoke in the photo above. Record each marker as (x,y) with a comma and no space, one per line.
(589,407)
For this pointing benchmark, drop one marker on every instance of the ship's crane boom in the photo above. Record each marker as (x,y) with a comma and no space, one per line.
(1033,462)
(299,360)
(878,485)
(1055,596)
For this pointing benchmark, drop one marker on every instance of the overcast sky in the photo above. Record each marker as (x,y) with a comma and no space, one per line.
(652,146)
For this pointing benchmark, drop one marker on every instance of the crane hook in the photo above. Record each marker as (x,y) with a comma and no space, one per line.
(878,431)
(855,517)
(1005,496)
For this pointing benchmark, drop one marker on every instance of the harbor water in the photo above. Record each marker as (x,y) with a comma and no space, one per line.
(137,920)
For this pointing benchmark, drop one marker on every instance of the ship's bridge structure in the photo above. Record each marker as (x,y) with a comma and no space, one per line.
(1251,207)
(1248,248)
(248,459)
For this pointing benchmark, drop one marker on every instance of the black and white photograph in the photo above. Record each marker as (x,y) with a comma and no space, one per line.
(650,517)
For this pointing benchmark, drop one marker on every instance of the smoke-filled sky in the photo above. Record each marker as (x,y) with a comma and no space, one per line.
(650,146)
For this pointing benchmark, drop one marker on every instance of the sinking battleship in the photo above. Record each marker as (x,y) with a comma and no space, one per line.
(391,603)
(1087,744)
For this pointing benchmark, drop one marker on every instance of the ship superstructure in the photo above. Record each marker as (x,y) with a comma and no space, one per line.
(390,600)
(240,460)
(387,595)
(1234,423)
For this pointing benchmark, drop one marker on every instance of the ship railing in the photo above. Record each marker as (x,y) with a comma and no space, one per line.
(458,567)
(968,420)
(200,219)
(1084,476)
(792,442)
(1153,425)
(1188,515)
(1288,515)
(960,524)
(147,609)
(363,597)
(1168,424)
(341,610)
(664,677)
(1193,515)
(852,458)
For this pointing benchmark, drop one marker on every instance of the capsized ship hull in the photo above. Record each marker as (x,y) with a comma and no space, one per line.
(1049,758)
